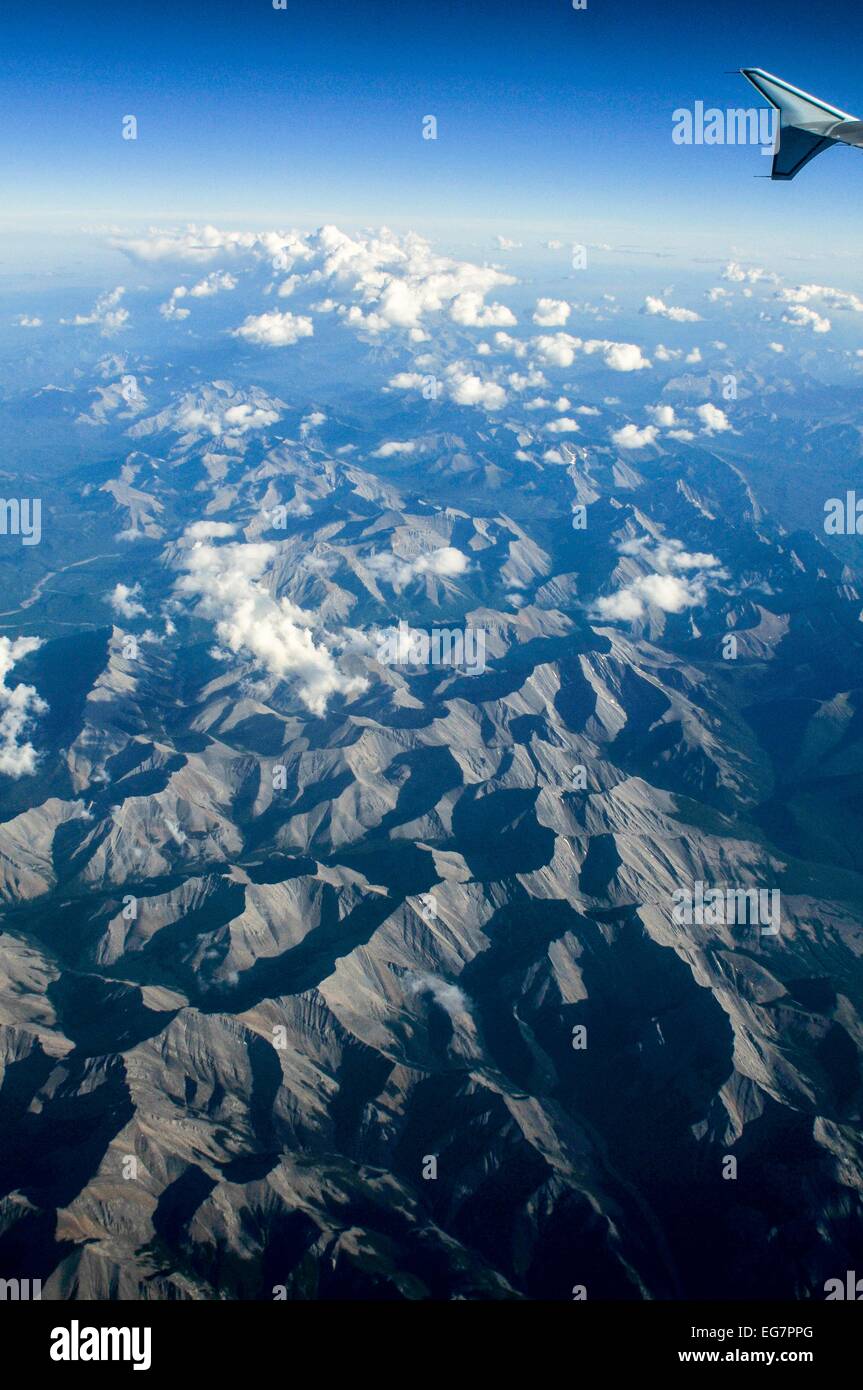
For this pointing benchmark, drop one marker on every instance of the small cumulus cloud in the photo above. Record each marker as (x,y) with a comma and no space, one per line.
(677,580)
(124,601)
(447,996)
(631,437)
(557,349)
(654,305)
(215,418)
(467,388)
(274,329)
(713,420)
(620,357)
(470,311)
(393,448)
(662,415)
(746,275)
(551,313)
(801,316)
(203,289)
(19,706)
(106,314)
(445,562)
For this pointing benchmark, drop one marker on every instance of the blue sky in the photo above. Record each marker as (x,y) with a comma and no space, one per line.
(550,121)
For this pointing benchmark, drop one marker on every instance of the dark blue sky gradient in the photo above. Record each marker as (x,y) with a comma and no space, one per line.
(549,119)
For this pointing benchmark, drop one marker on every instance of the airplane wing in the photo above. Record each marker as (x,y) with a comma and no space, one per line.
(805,122)
(796,148)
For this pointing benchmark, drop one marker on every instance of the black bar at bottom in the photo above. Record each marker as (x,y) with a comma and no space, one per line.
(233,1339)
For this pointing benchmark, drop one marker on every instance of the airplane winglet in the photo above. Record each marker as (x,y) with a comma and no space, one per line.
(807,125)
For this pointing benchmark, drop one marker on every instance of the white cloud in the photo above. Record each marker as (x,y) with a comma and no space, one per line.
(19,706)
(831,297)
(388,281)
(171,310)
(445,562)
(216,418)
(800,316)
(399,280)
(209,530)
(210,285)
(557,349)
(714,420)
(668,592)
(227,583)
(631,437)
(469,310)
(243,417)
(776,347)
(106,313)
(625,603)
(551,313)
(466,388)
(662,415)
(620,357)
(563,426)
(406,381)
(449,997)
(23,321)
(667,556)
(394,447)
(653,305)
(527,381)
(746,275)
(124,601)
(274,329)
(199,245)
(505,342)
(671,587)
